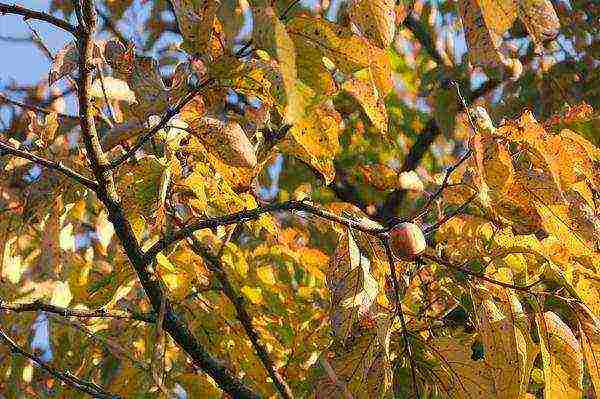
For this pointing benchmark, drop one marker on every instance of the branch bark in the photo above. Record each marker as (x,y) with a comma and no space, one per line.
(78,313)
(399,312)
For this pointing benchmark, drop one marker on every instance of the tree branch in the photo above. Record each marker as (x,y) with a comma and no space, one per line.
(252,214)
(112,27)
(56,166)
(40,16)
(87,387)
(216,267)
(82,314)
(107,194)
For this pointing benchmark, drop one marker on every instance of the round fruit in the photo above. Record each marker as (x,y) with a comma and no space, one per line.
(407,240)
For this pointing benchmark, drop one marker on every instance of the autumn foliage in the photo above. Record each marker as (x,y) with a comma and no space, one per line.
(356,199)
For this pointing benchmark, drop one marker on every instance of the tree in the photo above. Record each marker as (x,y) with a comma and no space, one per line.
(241,210)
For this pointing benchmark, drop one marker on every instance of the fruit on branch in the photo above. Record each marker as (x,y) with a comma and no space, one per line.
(407,240)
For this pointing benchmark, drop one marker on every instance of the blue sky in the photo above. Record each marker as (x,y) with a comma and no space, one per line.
(23,62)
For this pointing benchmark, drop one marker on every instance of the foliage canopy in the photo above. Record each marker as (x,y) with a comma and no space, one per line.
(211,217)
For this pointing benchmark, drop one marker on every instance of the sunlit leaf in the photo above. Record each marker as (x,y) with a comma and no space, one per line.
(376,19)
(561,357)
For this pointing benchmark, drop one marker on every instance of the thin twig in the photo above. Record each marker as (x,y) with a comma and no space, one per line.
(451,215)
(111,112)
(90,388)
(112,27)
(79,313)
(40,16)
(56,166)
(287,10)
(252,214)
(450,265)
(400,313)
(170,112)
(445,183)
(32,107)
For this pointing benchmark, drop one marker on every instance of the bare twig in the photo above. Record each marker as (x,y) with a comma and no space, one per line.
(253,214)
(287,10)
(111,112)
(40,16)
(448,217)
(4,98)
(112,27)
(450,265)
(78,313)
(56,166)
(90,388)
(445,183)
(400,313)
(170,112)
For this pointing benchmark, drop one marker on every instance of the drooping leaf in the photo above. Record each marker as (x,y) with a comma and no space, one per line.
(483,43)
(196,19)
(314,133)
(367,96)
(226,140)
(561,358)
(540,19)
(376,20)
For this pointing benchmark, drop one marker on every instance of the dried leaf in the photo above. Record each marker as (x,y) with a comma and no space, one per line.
(376,19)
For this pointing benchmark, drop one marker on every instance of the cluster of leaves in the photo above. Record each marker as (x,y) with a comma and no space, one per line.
(335,115)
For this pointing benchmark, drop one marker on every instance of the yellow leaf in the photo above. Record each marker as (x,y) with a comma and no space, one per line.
(504,347)
(12,265)
(589,333)
(368,97)
(317,38)
(195,20)
(540,19)
(483,44)
(376,19)
(499,15)
(254,294)
(61,294)
(225,140)
(266,275)
(314,134)
(115,89)
(555,219)
(104,230)
(561,358)
(66,239)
